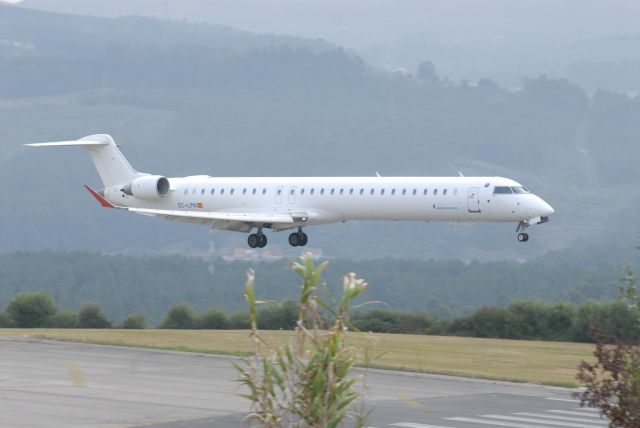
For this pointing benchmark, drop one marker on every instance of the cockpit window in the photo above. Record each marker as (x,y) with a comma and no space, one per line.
(519,189)
(501,190)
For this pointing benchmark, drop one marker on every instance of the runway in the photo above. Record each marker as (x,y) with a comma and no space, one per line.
(55,384)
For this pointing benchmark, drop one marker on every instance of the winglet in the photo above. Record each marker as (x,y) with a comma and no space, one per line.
(99,198)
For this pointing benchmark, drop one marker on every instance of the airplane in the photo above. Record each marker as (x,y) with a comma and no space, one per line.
(245,204)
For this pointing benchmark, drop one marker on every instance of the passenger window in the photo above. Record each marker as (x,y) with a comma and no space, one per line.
(351,191)
(254,191)
(279,191)
(264,191)
(322,191)
(311,192)
(244,191)
(231,191)
(202,191)
(213,191)
(333,191)
(415,191)
(222,191)
(292,191)
(382,191)
(302,191)
(393,192)
(424,192)
(404,192)
(341,191)
(444,192)
(361,191)
(371,192)
(435,192)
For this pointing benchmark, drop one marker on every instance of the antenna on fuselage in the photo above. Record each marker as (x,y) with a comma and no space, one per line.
(460,174)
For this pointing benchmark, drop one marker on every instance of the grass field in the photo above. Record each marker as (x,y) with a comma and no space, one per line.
(552,363)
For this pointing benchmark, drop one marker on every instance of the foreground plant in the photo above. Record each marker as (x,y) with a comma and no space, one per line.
(307,382)
(612,384)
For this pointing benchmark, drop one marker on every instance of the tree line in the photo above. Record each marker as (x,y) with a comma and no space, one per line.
(446,289)
(525,319)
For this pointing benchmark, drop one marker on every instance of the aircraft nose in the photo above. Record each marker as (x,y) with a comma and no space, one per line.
(546,209)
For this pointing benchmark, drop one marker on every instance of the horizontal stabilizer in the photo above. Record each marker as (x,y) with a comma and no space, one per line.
(111,165)
(82,143)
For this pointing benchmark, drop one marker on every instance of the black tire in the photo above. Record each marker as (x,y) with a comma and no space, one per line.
(262,241)
(526,237)
(294,239)
(253,240)
(521,237)
(303,239)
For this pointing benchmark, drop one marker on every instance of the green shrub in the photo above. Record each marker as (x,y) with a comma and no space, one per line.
(29,310)
(4,320)
(180,316)
(213,319)
(135,321)
(91,316)
(64,319)
(239,321)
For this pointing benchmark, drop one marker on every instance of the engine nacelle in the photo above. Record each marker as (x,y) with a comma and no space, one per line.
(148,187)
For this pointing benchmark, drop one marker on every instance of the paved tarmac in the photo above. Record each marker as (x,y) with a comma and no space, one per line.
(54,384)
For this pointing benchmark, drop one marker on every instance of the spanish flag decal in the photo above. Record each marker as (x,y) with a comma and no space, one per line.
(199,205)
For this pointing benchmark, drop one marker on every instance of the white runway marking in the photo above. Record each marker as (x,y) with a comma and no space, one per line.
(496,423)
(563,399)
(563,418)
(414,425)
(567,412)
(540,421)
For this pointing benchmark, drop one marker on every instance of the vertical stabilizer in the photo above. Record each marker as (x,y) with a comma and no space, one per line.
(111,165)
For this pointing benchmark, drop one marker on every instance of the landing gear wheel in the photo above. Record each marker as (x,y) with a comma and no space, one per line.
(253,240)
(303,239)
(523,237)
(294,239)
(262,241)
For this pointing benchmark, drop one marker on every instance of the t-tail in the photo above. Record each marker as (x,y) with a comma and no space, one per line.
(111,165)
(116,173)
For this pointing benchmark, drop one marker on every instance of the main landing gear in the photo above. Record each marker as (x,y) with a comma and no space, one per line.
(298,239)
(522,235)
(257,240)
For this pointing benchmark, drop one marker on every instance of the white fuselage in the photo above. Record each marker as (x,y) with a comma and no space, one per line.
(320,200)
(279,203)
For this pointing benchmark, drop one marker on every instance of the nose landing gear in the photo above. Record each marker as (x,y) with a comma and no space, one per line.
(522,235)
(298,239)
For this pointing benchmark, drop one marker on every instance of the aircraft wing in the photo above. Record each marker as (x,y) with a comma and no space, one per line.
(242,222)
(236,221)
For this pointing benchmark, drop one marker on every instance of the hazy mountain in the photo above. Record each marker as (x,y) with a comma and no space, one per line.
(184,98)
(591,42)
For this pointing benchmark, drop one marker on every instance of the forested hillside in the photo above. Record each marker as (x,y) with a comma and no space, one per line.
(125,285)
(190,98)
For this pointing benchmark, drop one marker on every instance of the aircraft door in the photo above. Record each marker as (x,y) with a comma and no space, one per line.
(473,199)
(292,195)
(279,195)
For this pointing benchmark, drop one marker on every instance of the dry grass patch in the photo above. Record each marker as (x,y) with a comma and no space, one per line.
(553,363)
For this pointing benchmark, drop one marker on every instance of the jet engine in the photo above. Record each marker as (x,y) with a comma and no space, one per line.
(148,187)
